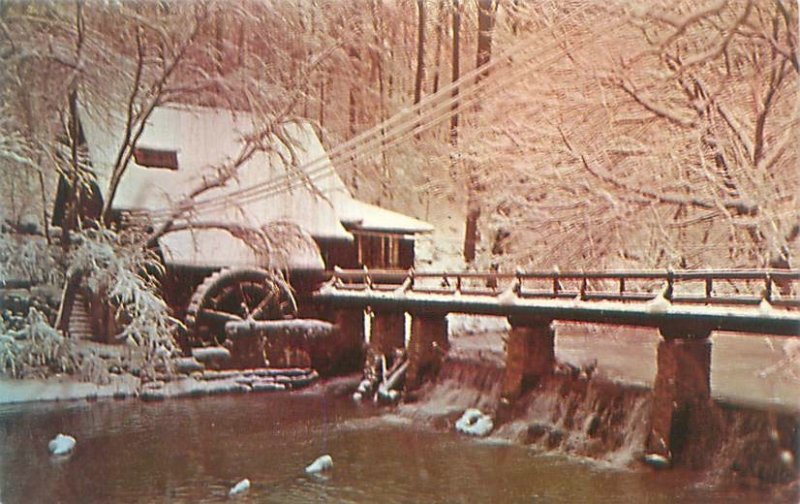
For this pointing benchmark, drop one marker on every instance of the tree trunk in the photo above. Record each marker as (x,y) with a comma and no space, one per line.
(420,52)
(71,215)
(514,14)
(485,28)
(322,110)
(219,45)
(471,226)
(438,58)
(456,71)
(355,57)
(484,55)
(420,56)
(380,37)
(352,112)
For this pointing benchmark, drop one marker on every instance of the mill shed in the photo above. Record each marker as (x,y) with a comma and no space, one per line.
(291,181)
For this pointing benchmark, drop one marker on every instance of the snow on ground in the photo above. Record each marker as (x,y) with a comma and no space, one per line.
(468,325)
(441,250)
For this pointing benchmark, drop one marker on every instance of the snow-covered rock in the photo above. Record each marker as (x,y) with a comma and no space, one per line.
(210,354)
(508,296)
(61,444)
(474,423)
(468,418)
(239,488)
(656,460)
(364,387)
(322,463)
(187,365)
(388,395)
(659,304)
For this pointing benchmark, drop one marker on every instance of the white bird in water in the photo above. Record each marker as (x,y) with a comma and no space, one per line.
(239,488)
(61,444)
(322,463)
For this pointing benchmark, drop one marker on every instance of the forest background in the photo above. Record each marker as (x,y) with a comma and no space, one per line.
(574,134)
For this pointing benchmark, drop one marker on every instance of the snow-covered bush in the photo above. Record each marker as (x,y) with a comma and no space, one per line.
(118,268)
(37,349)
(30,259)
(8,351)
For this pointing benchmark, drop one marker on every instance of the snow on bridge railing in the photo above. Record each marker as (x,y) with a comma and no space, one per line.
(779,288)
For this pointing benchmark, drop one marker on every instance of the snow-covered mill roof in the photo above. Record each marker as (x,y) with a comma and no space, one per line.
(199,140)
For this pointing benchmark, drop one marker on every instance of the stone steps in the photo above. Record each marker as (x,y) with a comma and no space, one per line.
(80,325)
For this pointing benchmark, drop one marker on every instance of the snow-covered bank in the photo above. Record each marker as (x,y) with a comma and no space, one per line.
(64,388)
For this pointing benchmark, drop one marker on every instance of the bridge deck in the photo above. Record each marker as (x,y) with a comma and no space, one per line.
(636,309)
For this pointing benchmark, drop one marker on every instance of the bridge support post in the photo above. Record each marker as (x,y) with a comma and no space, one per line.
(350,323)
(682,387)
(530,355)
(426,348)
(388,331)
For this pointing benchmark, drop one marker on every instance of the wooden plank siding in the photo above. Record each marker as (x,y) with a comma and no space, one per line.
(373,250)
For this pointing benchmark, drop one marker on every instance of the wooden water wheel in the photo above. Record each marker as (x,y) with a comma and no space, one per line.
(238,294)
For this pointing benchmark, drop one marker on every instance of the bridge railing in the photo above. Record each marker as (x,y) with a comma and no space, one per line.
(780,288)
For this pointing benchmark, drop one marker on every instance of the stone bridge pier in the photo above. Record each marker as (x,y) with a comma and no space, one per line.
(427,346)
(682,388)
(530,355)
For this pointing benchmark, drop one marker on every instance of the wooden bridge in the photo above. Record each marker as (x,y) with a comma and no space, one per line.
(685,306)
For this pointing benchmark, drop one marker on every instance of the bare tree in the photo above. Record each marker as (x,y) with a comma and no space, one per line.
(677,154)
(420,51)
(456,67)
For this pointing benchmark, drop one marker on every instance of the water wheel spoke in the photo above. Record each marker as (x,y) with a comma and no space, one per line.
(244,301)
(220,315)
(258,311)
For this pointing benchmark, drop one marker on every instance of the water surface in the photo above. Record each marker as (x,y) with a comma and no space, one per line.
(194,450)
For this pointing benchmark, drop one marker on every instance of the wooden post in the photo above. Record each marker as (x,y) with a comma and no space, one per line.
(388,332)
(427,347)
(683,383)
(530,355)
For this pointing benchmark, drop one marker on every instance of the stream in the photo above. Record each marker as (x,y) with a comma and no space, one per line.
(194,450)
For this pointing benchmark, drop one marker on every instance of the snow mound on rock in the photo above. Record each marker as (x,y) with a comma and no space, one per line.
(475,423)
(322,463)
(61,444)
(239,488)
